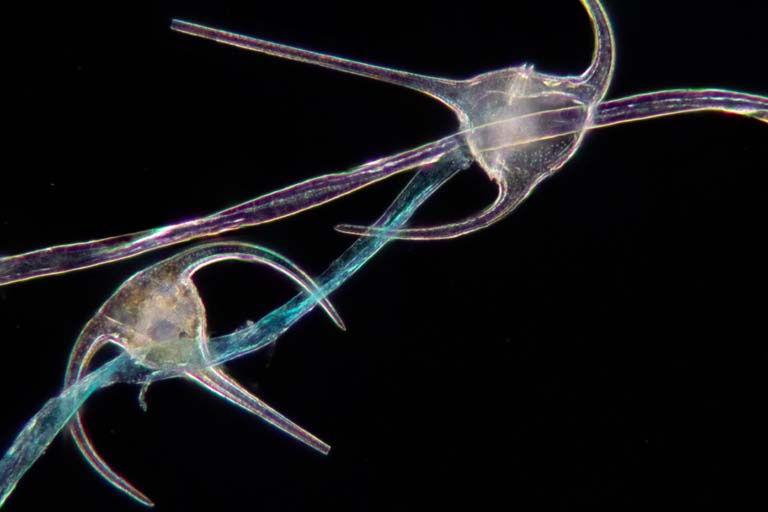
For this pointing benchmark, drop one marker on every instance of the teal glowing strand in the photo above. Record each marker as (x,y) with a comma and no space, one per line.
(43,427)
(40,431)
(271,327)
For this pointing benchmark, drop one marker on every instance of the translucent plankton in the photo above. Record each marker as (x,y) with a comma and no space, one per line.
(517,124)
(158,319)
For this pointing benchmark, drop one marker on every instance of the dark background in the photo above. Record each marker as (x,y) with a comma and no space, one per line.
(603,347)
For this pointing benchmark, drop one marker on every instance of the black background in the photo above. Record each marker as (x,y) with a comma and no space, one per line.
(602,347)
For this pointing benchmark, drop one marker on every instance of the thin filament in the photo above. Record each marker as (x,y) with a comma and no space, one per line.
(680,101)
(267,208)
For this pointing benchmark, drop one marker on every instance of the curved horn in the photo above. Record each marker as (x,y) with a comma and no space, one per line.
(196,258)
(505,202)
(78,364)
(600,71)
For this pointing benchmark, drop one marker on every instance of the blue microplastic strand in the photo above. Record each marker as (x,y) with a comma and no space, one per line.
(274,324)
(43,427)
